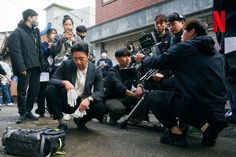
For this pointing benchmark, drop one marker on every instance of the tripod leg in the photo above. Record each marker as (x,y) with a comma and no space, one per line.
(124,123)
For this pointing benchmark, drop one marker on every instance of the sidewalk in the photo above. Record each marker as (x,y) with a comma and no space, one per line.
(107,141)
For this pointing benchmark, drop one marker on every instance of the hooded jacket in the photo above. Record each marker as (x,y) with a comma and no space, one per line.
(198,70)
(24,47)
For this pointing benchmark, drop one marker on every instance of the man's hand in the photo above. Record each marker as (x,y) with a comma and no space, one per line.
(129,93)
(84,104)
(67,85)
(139,57)
(158,77)
(138,92)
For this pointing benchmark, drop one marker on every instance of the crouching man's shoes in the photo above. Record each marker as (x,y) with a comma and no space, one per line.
(80,125)
(211,133)
(63,127)
(174,139)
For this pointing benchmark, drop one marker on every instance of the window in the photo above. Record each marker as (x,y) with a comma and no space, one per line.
(105,2)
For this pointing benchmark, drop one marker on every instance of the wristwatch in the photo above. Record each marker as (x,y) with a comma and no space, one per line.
(90,98)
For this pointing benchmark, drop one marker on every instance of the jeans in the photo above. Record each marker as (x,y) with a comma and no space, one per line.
(5,93)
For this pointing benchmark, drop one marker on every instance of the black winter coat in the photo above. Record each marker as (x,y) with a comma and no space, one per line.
(24,47)
(164,39)
(118,81)
(199,73)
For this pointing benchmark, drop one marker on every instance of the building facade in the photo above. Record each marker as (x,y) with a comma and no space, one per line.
(55,13)
(119,21)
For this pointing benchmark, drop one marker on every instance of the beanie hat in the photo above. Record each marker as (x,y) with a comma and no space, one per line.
(27,13)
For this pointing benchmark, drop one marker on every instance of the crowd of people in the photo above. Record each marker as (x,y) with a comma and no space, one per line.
(60,74)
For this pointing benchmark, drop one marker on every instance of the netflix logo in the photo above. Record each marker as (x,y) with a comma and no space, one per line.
(219,21)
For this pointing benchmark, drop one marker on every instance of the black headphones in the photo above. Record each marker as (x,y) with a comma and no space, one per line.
(180,16)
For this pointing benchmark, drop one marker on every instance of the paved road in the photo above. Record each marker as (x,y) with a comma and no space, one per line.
(107,141)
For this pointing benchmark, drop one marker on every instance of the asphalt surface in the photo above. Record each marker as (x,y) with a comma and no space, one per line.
(103,140)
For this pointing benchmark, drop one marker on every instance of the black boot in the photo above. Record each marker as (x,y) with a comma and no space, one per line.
(30,116)
(21,119)
(174,139)
(80,124)
(211,133)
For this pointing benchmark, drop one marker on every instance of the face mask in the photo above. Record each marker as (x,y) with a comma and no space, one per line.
(82,37)
(104,55)
(35,23)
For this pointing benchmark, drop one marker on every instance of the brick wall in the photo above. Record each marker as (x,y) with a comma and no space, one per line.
(119,8)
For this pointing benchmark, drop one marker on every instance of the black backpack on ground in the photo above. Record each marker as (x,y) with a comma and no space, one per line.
(33,143)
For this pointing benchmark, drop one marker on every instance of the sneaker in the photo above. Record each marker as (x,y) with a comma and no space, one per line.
(67,117)
(174,139)
(211,133)
(63,127)
(80,125)
(21,119)
(10,104)
(30,116)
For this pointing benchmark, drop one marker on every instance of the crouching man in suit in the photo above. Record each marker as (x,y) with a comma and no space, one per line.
(82,76)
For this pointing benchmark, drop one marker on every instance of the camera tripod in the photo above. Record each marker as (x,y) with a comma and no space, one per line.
(124,123)
(146,76)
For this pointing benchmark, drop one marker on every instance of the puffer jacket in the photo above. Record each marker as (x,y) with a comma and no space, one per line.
(24,47)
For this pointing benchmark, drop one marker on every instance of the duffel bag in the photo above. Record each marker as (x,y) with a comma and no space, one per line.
(33,143)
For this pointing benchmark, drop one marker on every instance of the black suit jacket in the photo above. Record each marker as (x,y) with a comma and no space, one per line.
(94,80)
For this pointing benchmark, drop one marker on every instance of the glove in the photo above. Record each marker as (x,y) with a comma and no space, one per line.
(79,113)
(71,97)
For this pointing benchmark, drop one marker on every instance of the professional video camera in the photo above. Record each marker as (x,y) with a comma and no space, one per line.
(147,45)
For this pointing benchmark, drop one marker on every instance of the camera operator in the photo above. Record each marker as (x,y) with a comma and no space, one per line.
(164,79)
(119,96)
(176,22)
(161,32)
(201,93)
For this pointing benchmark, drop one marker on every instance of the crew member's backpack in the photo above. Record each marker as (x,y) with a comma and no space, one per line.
(33,143)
